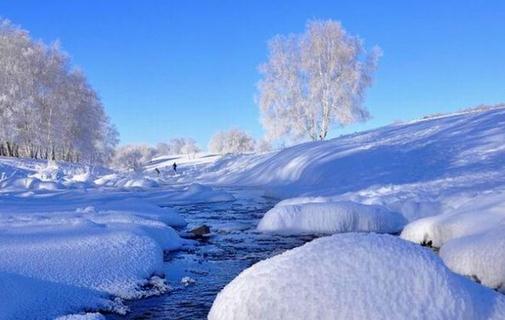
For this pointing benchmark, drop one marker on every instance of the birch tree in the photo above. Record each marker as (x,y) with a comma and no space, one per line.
(231,141)
(48,109)
(314,81)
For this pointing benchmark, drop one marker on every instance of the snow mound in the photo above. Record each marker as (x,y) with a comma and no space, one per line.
(143,208)
(84,316)
(473,215)
(81,253)
(330,217)
(18,174)
(141,182)
(26,298)
(86,255)
(355,276)
(479,256)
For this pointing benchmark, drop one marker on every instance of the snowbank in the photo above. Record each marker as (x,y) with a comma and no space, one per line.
(355,276)
(462,144)
(473,215)
(85,255)
(24,298)
(42,175)
(136,182)
(106,252)
(480,256)
(330,217)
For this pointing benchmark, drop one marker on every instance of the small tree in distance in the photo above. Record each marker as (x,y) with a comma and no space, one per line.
(177,146)
(231,141)
(132,156)
(313,81)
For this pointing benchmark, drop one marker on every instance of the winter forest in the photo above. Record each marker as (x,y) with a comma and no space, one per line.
(298,160)
(48,109)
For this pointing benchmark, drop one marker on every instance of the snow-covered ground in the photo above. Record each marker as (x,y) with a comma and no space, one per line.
(82,244)
(96,236)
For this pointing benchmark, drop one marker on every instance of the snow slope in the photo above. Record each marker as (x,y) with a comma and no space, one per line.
(467,144)
(445,174)
(355,276)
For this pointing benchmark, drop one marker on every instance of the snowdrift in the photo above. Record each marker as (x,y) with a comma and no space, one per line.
(461,144)
(470,237)
(473,214)
(87,256)
(330,217)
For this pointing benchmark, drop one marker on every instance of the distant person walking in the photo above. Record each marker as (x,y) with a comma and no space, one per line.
(175,167)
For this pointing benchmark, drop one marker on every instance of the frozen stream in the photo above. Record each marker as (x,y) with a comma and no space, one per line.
(233,246)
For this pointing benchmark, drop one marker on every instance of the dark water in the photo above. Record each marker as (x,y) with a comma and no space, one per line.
(215,261)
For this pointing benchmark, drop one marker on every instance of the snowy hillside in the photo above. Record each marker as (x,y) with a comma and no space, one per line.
(445,175)
(466,148)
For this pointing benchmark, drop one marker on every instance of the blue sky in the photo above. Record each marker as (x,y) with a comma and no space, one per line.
(189,68)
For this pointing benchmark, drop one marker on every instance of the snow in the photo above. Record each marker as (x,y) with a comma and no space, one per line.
(84,316)
(330,217)
(463,146)
(67,249)
(108,252)
(27,297)
(479,256)
(469,215)
(355,276)
(187,281)
(103,232)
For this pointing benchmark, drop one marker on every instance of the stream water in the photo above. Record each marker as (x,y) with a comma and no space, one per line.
(233,246)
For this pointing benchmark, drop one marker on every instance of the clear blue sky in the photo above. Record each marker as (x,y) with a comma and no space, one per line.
(189,68)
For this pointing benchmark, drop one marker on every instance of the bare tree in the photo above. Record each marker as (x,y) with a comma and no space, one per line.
(313,81)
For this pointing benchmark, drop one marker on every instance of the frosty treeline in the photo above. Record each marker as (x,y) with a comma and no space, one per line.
(134,156)
(231,141)
(314,81)
(48,109)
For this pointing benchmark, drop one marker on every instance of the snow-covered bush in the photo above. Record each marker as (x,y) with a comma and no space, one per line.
(132,156)
(231,141)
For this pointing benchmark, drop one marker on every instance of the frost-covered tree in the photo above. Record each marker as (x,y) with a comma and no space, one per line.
(47,109)
(231,141)
(162,149)
(178,146)
(263,146)
(313,81)
(190,147)
(132,156)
